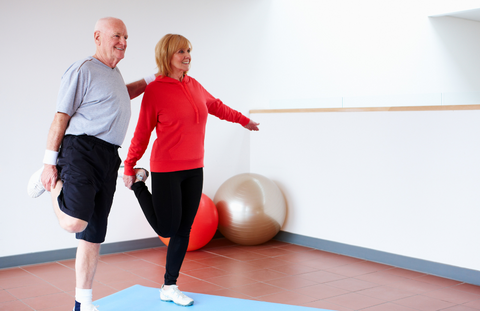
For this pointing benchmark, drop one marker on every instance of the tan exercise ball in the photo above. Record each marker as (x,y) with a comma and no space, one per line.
(251,209)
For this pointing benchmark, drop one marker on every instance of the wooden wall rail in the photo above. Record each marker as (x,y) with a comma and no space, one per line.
(370,109)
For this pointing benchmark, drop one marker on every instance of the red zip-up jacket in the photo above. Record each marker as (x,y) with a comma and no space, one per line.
(178,111)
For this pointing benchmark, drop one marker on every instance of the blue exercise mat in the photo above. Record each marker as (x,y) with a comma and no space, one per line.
(141,298)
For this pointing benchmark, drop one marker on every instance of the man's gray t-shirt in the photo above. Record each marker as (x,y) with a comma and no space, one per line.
(96,98)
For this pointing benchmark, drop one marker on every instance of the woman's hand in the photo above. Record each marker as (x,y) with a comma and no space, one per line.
(128,180)
(252,126)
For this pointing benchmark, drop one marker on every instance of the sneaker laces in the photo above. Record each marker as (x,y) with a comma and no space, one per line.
(177,293)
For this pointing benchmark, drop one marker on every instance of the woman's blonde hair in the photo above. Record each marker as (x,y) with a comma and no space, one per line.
(166,47)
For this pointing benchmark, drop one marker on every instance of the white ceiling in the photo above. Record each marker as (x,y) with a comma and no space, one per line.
(473,14)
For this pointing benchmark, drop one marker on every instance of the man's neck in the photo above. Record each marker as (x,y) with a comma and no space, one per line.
(110,64)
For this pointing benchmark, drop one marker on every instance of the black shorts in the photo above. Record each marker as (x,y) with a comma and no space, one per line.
(88,167)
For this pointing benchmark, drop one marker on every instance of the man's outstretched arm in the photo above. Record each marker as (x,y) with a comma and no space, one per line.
(138,87)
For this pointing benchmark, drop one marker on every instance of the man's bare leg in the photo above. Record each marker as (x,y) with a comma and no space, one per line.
(67,222)
(86,263)
(85,267)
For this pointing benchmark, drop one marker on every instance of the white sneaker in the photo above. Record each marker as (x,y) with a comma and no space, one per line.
(175,295)
(35,187)
(141,174)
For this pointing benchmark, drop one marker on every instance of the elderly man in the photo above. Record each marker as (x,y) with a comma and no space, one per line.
(93,112)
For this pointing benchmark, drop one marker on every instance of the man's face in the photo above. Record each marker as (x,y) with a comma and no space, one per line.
(112,42)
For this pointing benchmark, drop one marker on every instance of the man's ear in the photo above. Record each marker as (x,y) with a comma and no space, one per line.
(96,36)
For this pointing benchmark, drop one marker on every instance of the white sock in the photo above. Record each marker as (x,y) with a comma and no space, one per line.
(83,296)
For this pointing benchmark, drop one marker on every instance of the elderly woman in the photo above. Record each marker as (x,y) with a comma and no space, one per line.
(176,106)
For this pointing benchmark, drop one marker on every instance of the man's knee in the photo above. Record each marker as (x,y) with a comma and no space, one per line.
(73,225)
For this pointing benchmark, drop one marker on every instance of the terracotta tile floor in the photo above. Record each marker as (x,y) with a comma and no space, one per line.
(275,272)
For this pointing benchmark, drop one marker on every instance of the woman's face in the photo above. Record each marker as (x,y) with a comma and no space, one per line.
(181,60)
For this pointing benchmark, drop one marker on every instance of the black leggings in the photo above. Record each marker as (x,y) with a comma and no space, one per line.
(170,209)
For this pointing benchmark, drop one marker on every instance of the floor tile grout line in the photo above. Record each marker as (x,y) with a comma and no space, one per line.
(37,276)
(273,255)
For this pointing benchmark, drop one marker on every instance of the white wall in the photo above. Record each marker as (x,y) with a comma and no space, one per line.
(251,54)
(405,182)
(321,51)
(41,39)
(398,182)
